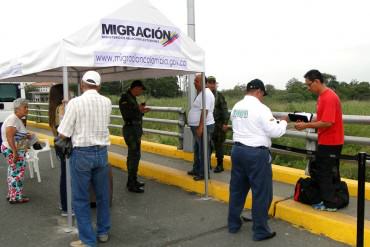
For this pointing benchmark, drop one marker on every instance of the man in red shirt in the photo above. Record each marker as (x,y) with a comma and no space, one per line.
(325,169)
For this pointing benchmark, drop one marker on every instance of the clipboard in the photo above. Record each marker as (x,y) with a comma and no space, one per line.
(300,116)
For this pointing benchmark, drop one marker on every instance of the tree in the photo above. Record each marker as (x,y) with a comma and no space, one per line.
(328,77)
(270,89)
(298,89)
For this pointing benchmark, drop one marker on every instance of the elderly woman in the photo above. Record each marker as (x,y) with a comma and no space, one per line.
(14,135)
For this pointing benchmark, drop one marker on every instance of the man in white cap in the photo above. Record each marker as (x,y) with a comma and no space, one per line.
(86,122)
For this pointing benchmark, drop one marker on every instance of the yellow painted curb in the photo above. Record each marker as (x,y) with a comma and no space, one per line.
(282,174)
(335,225)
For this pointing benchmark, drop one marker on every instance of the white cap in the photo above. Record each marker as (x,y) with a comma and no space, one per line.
(92,78)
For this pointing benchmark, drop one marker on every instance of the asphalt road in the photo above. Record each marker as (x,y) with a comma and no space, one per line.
(163,216)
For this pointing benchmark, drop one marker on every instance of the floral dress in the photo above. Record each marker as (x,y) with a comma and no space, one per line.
(16,169)
(15,173)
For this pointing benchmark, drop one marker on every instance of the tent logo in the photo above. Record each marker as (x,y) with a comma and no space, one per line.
(173,38)
(128,31)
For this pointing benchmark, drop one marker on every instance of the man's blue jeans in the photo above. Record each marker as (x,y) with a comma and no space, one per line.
(89,165)
(198,165)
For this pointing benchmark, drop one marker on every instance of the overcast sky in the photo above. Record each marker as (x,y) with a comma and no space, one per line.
(274,40)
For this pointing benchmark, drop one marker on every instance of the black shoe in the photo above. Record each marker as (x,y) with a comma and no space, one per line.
(271,235)
(139,184)
(198,178)
(135,189)
(218,169)
(192,173)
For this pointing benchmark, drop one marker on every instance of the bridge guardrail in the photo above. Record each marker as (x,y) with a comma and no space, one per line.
(39,112)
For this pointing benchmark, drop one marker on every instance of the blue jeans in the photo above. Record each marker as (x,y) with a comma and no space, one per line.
(89,165)
(198,166)
(251,169)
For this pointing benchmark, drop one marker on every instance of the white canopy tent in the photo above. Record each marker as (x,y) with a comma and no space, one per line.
(136,41)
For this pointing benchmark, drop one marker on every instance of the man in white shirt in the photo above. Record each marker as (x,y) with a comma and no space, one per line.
(195,121)
(86,121)
(253,127)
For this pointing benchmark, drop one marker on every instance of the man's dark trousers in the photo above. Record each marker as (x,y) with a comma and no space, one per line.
(325,171)
(251,169)
(132,135)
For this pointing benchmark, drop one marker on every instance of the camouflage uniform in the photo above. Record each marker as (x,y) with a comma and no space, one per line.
(221,116)
(132,132)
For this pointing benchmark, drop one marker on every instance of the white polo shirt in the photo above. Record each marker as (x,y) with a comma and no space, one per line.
(196,109)
(253,123)
(86,120)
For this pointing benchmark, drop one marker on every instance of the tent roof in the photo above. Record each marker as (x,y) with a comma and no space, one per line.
(136,41)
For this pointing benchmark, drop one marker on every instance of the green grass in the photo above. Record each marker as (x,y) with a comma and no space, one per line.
(348,170)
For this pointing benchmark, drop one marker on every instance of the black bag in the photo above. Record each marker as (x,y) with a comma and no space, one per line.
(307,191)
(342,194)
(63,145)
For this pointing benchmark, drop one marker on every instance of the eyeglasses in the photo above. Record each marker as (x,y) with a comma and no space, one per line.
(309,84)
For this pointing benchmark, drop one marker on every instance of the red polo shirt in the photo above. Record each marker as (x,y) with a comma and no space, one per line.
(329,109)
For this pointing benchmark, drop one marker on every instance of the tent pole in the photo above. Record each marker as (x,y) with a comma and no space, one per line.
(191,92)
(205,137)
(68,174)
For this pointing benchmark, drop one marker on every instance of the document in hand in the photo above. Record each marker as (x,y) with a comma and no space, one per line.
(300,116)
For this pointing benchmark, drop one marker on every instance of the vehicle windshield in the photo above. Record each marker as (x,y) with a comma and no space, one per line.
(9,92)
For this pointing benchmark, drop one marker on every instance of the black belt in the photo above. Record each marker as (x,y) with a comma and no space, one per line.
(131,123)
(243,145)
(95,146)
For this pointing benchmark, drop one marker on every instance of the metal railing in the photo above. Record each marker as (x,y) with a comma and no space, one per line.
(39,112)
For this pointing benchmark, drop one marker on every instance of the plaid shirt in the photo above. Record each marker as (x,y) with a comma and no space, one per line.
(86,120)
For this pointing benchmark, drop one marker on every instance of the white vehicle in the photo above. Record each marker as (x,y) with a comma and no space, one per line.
(9,91)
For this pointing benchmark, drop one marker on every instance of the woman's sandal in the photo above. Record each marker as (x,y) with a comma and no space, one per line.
(23,200)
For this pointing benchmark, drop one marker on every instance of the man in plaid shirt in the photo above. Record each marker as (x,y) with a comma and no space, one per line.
(86,121)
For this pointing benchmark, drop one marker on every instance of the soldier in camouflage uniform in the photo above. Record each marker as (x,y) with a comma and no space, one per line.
(221,116)
(132,114)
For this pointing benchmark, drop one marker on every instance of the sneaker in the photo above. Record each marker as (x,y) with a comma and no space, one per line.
(321,206)
(331,209)
(65,213)
(318,206)
(77,243)
(103,238)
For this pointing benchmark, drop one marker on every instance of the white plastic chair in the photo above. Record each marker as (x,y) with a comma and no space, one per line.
(33,159)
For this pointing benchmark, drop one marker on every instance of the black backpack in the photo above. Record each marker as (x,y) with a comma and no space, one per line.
(342,194)
(307,191)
